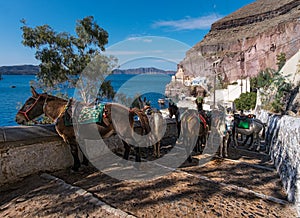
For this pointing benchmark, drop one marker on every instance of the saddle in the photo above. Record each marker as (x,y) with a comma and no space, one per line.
(87,114)
(91,114)
(243,122)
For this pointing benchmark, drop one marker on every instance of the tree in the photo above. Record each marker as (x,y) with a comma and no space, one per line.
(262,80)
(63,56)
(246,101)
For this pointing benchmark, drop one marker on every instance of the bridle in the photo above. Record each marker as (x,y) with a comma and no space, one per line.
(25,113)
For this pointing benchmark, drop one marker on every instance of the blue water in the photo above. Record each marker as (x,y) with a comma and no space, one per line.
(150,86)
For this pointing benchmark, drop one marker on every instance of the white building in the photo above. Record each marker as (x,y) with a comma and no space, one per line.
(227,96)
(199,81)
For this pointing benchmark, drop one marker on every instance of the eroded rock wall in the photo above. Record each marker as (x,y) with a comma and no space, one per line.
(247,41)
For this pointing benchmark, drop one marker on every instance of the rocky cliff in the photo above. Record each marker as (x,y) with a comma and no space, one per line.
(247,41)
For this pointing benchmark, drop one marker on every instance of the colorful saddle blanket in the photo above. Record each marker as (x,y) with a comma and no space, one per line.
(91,114)
(244,122)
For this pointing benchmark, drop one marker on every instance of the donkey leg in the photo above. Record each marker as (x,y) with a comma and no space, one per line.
(178,129)
(235,144)
(251,142)
(221,148)
(85,161)
(204,141)
(258,142)
(190,159)
(137,154)
(247,138)
(229,139)
(127,150)
(156,149)
(74,152)
(195,149)
(225,144)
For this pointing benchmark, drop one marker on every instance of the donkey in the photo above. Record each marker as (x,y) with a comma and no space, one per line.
(117,119)
(174,111)
(255,127)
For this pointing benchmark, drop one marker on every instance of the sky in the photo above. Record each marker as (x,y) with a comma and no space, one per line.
(139,31)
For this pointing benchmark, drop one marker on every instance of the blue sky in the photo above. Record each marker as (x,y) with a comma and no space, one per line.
(178,24)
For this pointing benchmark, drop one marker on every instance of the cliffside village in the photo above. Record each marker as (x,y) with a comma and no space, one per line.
(184,89)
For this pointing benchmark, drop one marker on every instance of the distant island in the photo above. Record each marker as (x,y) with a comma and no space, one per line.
(34,69)
(19,70)
(142,70)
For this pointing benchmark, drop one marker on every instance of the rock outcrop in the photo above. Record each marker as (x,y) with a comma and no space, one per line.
(247,41)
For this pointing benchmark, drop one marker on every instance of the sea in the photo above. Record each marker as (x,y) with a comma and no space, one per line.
(15,90)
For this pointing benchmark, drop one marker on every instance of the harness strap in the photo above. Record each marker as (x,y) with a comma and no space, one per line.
(203,120)
(143,119)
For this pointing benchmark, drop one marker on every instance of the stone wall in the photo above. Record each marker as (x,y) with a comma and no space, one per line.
(283,144)
(25,150)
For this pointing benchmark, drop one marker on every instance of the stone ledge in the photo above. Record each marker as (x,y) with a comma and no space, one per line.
(20,133)
(26,150)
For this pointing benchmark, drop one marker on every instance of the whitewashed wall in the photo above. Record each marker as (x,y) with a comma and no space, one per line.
(283,143)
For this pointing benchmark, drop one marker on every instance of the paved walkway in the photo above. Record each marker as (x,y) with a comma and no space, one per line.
(245,185)
(48,196)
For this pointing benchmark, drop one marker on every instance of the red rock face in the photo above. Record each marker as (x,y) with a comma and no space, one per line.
(243,45)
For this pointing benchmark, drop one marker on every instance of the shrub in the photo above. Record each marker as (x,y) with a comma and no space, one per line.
(246,101)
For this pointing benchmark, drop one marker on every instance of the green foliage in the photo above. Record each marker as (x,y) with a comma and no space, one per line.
(277,88)
(281,97)
(281,60)
(106,91)
(246,101)
(92,84)
(64,56)
(262,80)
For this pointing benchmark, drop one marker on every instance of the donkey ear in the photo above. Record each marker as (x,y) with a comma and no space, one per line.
(34,93)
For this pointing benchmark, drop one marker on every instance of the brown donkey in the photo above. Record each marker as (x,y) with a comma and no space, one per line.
(58,110)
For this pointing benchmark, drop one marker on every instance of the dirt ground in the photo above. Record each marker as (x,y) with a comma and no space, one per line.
(244,185)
